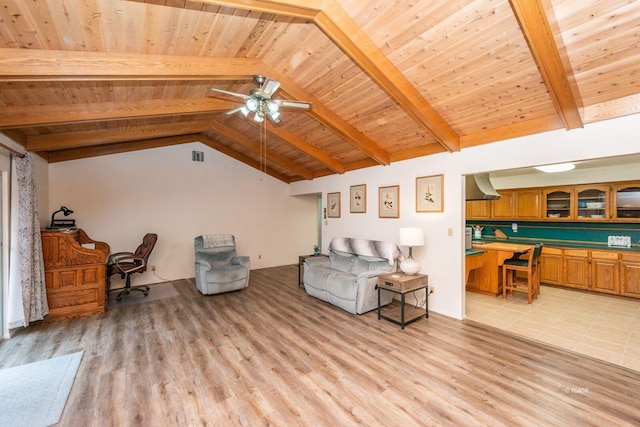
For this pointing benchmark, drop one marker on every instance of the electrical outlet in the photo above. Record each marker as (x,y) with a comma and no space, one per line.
(153,268)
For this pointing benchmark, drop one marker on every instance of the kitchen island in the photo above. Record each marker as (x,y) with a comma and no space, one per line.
(484,269)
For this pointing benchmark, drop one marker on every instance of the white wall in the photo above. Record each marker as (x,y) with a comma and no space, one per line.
(118,198)
(442,257)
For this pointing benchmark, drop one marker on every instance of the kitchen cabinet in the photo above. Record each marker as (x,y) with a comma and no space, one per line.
(630,274)
(605,268)
(592,203)
(576,268)
(615,201)
(551,266)
(478,209)
(557,203)
(625,204)
(527,204)
(502,208)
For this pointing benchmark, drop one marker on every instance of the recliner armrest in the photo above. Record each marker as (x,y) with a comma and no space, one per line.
(241,260)
(204,264)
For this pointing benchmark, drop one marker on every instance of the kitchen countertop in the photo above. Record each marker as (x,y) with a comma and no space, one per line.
(559,243)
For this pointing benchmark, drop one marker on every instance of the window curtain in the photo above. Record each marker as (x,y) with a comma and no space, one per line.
(26,272)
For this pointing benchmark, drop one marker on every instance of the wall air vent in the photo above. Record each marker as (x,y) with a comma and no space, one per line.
(197,156)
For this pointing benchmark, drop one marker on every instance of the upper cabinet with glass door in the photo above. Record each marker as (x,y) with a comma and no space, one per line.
(557,204)
(626,202)
(592,202)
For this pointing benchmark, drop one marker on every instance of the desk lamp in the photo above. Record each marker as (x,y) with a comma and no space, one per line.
(66,211)
(411,236)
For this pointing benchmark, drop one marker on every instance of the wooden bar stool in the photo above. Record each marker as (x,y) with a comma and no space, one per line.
(528,265)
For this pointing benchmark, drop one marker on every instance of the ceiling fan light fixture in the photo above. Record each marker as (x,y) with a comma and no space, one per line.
(259,116)
(252,104)
(245,111)
(275,115)
(273,107)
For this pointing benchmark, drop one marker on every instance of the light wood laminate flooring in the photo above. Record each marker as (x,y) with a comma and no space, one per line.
(272,355)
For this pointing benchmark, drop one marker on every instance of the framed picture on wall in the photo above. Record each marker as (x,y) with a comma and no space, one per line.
(333,205)
(358,198)
(429,194)
(389,202)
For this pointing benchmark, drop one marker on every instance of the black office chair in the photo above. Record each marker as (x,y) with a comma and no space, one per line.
(127,263)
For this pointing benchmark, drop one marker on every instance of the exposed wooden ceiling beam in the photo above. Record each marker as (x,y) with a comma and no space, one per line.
(210,142)
(51,65)
(120,147)
(535,26)
(240,139)
(60,141)
(41,115)
(307,148)
(338,25)
(332,19)
(331,120)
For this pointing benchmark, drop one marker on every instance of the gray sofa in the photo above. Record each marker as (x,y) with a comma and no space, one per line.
(348,277)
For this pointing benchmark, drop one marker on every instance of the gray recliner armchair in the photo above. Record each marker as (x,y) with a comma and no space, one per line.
(218,269)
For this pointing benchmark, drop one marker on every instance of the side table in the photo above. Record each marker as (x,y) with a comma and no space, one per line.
(301,259)
(402,284)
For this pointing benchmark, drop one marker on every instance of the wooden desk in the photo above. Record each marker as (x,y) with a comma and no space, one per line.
(74,272)
(487,279)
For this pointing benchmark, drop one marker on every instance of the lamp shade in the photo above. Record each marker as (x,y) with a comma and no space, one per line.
(411,236)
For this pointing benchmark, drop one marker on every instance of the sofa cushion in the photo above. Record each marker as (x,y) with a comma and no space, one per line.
(342,285)
(367,263)
(341,261)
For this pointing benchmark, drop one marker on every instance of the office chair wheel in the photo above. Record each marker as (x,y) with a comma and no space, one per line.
(118,298)
(145,293)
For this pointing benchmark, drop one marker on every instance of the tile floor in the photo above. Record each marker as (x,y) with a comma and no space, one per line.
(600,326)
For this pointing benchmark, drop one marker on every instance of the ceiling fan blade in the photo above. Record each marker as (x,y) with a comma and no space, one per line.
(294,104)
(269,87)
(235,110)
(239,95)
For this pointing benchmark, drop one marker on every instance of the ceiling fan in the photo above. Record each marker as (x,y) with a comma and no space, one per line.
(259,101)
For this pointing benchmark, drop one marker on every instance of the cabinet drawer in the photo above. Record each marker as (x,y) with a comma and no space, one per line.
(608,255)
(546,250)
(72,298)
(630,257)
(583,253)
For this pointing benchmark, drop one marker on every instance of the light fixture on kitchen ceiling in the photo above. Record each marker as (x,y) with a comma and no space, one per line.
(559,167)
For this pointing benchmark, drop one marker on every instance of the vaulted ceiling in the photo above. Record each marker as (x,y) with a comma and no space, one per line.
(388,80)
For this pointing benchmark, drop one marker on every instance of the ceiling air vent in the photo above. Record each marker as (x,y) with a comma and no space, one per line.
(197,156)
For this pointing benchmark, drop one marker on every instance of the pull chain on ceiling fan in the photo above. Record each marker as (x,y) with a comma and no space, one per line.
(260,103)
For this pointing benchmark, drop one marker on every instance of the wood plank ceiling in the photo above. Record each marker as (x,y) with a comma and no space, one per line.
(388,80)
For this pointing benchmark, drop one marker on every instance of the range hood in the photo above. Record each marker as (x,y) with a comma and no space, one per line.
(479,187)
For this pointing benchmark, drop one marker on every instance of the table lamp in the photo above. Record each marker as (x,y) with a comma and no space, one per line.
(411,236)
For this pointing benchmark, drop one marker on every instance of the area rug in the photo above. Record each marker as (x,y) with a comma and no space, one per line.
(156,292)
(34,394)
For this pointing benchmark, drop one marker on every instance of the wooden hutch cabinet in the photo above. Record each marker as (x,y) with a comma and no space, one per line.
(75,273)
